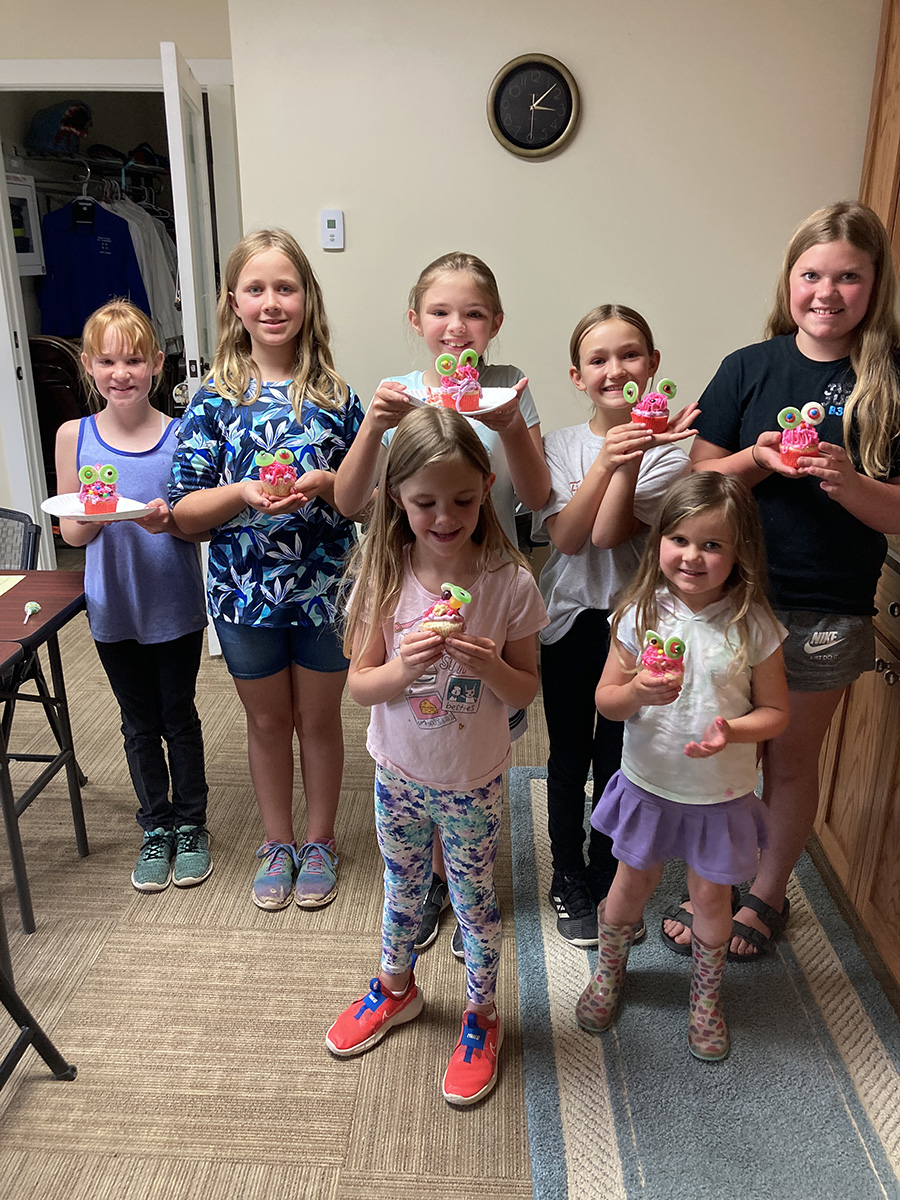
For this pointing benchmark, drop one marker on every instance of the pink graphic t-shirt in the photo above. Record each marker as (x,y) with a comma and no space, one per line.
(447,729)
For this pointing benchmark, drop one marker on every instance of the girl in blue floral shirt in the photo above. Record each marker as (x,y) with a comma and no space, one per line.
(275,562)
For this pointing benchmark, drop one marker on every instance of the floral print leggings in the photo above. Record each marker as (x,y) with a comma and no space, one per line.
(468,823)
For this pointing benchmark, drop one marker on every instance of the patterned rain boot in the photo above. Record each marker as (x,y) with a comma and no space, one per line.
(596,1007)
(707,1032)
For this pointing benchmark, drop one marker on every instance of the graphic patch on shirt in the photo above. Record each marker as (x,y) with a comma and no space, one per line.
(835,395)
(463,694)
(432,709)
(429,711)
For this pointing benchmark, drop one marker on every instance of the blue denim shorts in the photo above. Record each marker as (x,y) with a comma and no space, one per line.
(257,651)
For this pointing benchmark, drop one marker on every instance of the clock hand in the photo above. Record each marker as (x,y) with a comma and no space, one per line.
(542,107)
(535,103)
(531,131)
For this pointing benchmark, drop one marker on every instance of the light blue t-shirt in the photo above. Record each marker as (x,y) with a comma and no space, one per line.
(492,375)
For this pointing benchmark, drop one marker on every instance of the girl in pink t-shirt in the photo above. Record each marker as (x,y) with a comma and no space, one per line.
(439,732)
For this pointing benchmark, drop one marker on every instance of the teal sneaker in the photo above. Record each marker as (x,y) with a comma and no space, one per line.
(192,861)
(317,874)
(273,884)
(153,869)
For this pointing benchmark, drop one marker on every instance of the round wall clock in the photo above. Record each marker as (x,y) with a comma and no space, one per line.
(533,105)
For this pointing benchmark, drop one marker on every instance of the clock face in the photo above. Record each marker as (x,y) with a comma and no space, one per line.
(533,105)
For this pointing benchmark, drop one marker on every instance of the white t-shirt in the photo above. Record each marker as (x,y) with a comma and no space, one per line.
(653,752)
(447,729)
(493,375)
(593,578)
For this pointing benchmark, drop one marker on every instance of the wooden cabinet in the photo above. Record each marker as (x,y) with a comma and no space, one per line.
(858,823)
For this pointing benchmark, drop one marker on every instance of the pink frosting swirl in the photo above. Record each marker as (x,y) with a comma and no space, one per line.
(802,437)
(653,403)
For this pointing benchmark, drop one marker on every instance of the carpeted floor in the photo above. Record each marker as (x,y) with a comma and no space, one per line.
(196,1021)
(807,1107)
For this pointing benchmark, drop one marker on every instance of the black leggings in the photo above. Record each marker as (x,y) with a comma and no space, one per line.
(579,738)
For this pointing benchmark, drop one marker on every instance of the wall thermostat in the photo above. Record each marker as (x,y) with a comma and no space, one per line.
(332,229)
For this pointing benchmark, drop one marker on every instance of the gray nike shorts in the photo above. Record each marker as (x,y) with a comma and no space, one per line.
(825,650)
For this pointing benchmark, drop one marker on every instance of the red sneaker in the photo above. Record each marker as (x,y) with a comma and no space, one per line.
(472,1071)
(367,1020)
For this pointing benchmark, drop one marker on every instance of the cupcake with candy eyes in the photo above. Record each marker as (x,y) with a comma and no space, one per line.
(664,659)
(444,617)
(799,438)
(459,387)
(653,411)
(98,493)
(277,474)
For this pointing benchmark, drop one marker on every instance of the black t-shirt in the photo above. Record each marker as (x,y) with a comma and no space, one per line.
(820,557)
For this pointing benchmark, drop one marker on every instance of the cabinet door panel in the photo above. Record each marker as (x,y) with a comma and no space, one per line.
(843,814)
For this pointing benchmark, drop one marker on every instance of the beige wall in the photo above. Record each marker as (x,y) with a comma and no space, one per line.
(98,29)
(709,130)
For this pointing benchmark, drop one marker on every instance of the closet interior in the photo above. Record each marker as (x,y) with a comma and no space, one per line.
(91,208)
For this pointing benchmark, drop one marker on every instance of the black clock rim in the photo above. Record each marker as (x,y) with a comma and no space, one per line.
(548,63)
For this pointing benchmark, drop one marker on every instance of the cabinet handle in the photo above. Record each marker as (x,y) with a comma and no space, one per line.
(881,665)
(894,609)
(890,678)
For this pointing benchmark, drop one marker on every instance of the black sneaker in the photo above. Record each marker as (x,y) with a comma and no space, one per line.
(576,916)
(436,901)
(456,946)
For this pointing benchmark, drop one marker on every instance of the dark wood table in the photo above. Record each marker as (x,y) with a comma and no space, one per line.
(11,654)
(61,596)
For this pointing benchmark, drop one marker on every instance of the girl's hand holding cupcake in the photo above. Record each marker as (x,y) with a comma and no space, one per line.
(419,650)
(160,520)
(623,444)
(388,407)
(308,487)
(835,468)
(503,417)
(655,689)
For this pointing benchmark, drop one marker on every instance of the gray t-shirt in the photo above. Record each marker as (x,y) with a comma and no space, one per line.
(594,578)
(492,375)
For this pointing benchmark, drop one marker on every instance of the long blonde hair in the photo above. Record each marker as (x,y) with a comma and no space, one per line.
(692,496)
(313,376)
(375,573)
(130,329)
(874,403)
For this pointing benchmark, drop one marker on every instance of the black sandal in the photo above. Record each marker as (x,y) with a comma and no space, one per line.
(776,921)
(676,912)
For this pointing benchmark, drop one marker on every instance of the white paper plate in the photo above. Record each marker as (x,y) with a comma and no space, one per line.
(490,398)
(68,505)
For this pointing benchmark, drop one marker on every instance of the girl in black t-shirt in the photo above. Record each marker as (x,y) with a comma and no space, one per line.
(833,337)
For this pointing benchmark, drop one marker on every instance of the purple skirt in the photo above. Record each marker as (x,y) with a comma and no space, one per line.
(720,841)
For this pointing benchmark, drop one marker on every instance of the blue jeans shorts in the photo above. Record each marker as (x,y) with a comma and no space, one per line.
(257,651)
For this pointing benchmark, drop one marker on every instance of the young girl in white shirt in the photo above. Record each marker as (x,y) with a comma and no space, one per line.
(689,761)
(439,731)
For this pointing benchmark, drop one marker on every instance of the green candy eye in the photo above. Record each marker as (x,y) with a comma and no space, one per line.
(88,474)
(630,392)
(668,388)
(813,414)
(652,638)
(674,647)
(264,459)
(457,593)
(108,474)
(468,358)
(789,418)
(445,364)
(284,457)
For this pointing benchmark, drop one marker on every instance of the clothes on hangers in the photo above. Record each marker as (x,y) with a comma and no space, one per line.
(86,267)
(159,279)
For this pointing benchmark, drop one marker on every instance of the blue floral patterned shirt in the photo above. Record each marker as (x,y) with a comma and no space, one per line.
(266,570)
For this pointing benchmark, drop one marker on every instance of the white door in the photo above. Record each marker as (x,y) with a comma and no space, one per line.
(192,211)
(21,439)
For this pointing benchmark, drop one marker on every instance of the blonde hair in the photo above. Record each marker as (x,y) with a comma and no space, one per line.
(467,264)
(608,312)
(692,496)
(375,573)
(874,403)
(130,329)
(313,376)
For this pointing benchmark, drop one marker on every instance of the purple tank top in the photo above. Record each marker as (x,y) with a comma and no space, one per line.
(139,585)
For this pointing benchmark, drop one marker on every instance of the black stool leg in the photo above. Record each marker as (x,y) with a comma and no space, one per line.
(14,839)
(72,772)
(30,1034)
(5,959)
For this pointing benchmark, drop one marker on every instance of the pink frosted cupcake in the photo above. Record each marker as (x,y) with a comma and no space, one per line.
(98,493)
(277,473)
(444,616)
(799,438)
(663,658)
(459,388)
(653,411)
